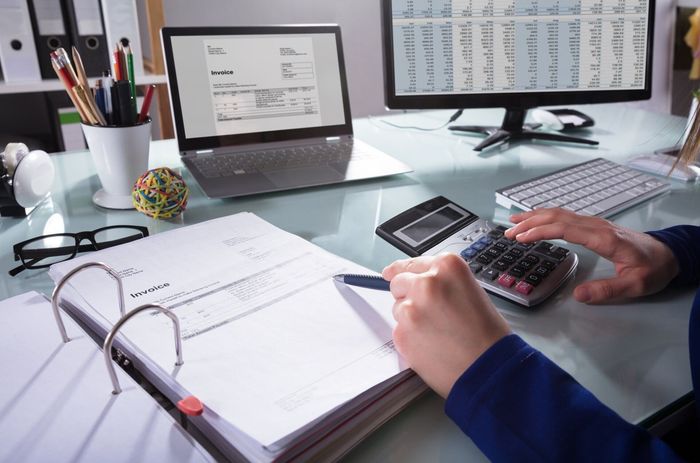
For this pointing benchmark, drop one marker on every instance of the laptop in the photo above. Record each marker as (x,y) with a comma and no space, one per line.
(265,108)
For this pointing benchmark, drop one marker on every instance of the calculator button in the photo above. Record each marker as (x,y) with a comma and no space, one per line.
(501,265)
(526,264)
(541,271)
(490,274)
(531,258)
(507,241)
(548,264)
(468,253)
(533,279)
(485,240)
(523,246)
(501,228)
(475,268)
(509,258)
(501,246)
(558,254)
(493,252)
(478,246)
(517,271)
(506,280)
(543,248)
(516,252)
(483,259)
(524,287)
(495,234)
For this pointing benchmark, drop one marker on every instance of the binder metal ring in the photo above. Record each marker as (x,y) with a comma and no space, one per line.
(68,276)
(107,347)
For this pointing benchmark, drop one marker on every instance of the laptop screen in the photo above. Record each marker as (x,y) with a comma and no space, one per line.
(256,84)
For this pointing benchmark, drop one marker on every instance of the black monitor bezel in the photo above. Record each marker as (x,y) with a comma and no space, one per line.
(503,100)
(202,143)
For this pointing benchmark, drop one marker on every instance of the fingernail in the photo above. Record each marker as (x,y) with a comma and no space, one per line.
(583,295)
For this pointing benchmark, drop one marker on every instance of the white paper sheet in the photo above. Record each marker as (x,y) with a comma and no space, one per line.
(271,343)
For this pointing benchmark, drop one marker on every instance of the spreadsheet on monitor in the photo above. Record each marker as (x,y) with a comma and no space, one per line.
(503,46)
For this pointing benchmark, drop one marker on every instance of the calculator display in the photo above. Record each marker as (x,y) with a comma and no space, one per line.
(416,233)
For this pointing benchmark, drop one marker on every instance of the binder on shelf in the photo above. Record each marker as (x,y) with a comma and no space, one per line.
(18,56)
(57,398)
(87,34)
(50,32)
(121,22)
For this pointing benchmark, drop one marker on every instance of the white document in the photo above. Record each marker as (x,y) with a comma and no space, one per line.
(271,342)
(18,57)
(121,21)
(262,84)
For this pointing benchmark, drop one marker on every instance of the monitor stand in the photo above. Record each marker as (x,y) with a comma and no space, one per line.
(514,128)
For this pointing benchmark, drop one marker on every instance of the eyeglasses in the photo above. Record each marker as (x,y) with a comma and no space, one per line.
(44,251)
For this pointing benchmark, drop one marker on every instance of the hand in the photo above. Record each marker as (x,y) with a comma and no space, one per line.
(445,320)
(643,265)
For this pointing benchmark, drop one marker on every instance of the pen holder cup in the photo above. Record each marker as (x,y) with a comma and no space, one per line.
(120,155)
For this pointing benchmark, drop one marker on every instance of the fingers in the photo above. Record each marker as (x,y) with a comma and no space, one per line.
(529,220)
(598,291)
(414,265)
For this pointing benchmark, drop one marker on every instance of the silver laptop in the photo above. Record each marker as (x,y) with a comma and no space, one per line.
(260,109)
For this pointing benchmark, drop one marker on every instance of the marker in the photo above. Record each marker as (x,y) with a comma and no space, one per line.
(143,115)
(363,281)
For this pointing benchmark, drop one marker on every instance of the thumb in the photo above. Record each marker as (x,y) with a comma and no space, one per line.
(597,291)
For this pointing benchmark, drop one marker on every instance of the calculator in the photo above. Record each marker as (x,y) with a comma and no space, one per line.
(526,274)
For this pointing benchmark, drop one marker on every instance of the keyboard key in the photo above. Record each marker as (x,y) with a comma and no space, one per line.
(526,264)
(485,240)
(501,246)
(533,279)
(524,287)
(475,268)
(524,246)
(483,259)
(509,258)
(543,248)
(490,274)
(506,280)
(468,253)
(531,258)
(559,254)
(516,252)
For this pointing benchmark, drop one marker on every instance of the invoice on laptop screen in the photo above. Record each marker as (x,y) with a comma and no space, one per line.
(230,85)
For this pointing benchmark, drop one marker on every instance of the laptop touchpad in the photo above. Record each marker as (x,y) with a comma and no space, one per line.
(303,176)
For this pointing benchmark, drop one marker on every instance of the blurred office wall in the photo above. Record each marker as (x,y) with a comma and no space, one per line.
(360,23)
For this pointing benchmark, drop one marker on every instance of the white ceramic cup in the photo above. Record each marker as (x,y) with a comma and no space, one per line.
(120,155)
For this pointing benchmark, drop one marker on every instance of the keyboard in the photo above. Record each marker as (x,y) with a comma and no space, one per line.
(225,165)
(595,188)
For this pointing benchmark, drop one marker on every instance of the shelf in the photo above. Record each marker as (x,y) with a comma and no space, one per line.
(49,85)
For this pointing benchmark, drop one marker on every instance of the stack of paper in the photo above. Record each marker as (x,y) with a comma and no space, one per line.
(288,363)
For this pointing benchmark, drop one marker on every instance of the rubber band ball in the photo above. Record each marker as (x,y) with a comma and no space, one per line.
(160,193)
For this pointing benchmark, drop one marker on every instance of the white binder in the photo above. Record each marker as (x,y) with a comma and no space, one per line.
(56,401)
(18,56)
(121,21)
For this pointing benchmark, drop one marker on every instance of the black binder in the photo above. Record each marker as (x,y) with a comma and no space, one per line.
(87,33)
(50,32)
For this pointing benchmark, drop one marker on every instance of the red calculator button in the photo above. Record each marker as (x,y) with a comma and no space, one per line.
(506,280)
(524,288)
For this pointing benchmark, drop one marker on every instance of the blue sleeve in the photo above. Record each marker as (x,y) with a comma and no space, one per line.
(684,241)
(516,405)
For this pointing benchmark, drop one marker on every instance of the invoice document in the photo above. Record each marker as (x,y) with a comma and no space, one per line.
(261,84)
(270,342)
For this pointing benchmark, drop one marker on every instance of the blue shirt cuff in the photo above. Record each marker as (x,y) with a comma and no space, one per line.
(458,405)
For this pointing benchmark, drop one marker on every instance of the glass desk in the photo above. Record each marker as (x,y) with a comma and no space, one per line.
(634,356)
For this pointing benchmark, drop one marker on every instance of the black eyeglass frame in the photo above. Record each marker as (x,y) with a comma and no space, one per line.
(29,257)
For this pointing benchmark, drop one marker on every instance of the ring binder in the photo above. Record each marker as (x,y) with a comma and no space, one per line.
(68,276)
(107,348)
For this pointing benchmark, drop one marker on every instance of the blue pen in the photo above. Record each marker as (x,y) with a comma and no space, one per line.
(363,281)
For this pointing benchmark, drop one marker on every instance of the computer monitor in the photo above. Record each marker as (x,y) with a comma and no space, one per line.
(517,55)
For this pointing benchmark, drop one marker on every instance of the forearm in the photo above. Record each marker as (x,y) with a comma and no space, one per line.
(517,405)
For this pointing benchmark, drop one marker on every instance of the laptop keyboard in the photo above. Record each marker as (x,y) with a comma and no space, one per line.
(225,165)
(597,188)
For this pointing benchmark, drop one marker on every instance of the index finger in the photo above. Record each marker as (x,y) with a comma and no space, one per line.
(413,265)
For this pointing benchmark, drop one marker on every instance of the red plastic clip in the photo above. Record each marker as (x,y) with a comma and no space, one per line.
(191,406)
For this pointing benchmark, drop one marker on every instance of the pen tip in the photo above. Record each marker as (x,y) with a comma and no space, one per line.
(338,278)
